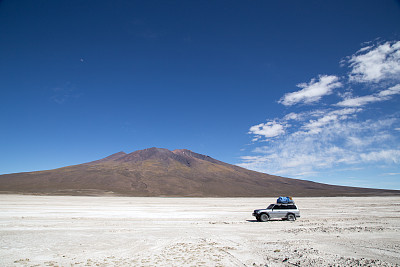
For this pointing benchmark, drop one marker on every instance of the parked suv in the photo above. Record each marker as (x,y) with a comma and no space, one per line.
(277,211)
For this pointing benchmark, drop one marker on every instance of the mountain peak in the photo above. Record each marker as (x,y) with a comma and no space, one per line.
(145,154)
(184,156)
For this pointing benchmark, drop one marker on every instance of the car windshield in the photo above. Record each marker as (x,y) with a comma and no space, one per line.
(270,206)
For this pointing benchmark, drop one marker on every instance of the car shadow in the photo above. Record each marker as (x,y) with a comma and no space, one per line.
(252,221)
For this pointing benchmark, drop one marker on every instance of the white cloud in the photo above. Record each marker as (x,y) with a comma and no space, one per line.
(334,137)
(302,116)
(292,116)
(359,101)
(375,63)
(298,154)
(390,155)
(269,129)
(312,91)
(355,141)
(346,111)
(394,90)
(315,126)
(363,100)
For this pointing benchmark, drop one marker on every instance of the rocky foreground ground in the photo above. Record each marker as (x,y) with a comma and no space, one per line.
(122,231)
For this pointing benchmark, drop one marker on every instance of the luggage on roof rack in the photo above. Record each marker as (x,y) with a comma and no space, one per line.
(285,200)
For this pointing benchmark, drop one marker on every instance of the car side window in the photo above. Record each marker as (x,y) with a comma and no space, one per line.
(277,207)
(292,207)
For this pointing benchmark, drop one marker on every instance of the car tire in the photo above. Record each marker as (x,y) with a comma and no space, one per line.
(264,217)
(291,217)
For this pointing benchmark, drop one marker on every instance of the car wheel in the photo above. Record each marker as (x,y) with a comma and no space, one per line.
(291,217)
(264,217)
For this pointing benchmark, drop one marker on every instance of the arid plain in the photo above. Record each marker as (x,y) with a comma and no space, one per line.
(129,231)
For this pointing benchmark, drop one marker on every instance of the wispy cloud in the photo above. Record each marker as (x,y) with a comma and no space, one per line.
(376,63)
(341,134)
(389,155)
(364,100)
(341,141)
(312,91)
(316,126)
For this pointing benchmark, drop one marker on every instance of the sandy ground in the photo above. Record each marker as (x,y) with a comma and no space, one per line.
(119,231)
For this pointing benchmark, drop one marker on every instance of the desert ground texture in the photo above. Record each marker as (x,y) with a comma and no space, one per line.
(124,231)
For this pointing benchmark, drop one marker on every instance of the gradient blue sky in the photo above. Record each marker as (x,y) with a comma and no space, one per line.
(303,89)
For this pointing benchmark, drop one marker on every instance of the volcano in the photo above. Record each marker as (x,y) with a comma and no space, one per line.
(161,172)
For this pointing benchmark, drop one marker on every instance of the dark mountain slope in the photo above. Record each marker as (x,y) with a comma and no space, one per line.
(160,172)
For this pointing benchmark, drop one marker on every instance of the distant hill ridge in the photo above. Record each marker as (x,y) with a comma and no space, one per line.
(161,172)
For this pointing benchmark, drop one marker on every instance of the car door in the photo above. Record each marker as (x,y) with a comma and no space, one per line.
(278,212)
(271,211)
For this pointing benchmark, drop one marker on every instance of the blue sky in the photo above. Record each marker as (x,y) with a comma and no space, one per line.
(302,89)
